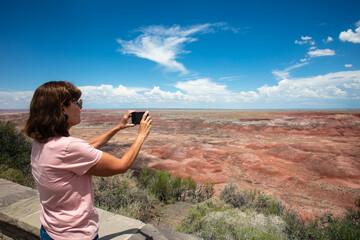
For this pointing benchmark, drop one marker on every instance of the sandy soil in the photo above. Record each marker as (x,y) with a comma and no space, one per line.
(308,159)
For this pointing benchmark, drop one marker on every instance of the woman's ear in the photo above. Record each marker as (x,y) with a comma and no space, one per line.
(64,109)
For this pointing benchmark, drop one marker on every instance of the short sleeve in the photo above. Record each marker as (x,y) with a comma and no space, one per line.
(80,156)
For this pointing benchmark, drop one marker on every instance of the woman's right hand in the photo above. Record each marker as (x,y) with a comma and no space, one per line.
(145,125)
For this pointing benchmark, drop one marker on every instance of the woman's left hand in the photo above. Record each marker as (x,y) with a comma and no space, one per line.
(124,121)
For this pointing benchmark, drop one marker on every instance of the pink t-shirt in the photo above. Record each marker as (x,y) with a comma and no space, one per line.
(66,192)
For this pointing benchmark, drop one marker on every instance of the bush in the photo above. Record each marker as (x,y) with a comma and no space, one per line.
(327,228)
(14,175)
(165,187)
(257,200)
(214,219)
(122,194)
(295,228)
(231,195)
(15,153)
(162,185)
(205,191)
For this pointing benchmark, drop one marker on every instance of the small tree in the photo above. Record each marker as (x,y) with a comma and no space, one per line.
(14,155)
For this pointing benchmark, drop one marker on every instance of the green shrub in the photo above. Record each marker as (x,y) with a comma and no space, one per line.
(327,228)
(254,199)
(14,175)
(165,187)
(231,195)
(268,205)
(122,194)
(162,185)
(214,219)
(204,191)
(343,228)
(195,219)
(297,229)
(14,155)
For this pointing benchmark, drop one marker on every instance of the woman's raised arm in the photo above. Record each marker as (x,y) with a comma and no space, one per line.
(110,165)
(102,139)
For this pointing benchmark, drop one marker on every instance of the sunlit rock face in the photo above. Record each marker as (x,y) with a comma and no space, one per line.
(310,160)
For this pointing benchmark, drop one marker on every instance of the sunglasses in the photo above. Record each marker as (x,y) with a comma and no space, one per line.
(79,103)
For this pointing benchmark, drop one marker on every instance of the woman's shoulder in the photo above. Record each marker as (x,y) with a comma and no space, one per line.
(72,140)
(64,141)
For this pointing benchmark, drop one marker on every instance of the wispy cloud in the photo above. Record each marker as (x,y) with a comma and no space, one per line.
(348,65)
(164,45)
(282,74)
(350,36)
(231,78)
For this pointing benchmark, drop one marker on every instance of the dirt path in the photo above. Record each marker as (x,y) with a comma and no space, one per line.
(171,215)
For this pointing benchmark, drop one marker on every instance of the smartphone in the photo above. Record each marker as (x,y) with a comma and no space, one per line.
(136,117)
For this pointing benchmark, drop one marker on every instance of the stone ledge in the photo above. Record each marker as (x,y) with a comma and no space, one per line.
(12,192)
(20,219)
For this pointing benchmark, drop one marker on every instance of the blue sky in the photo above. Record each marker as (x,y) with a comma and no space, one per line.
(184,54)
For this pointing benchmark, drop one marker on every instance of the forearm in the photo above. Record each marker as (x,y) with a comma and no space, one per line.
(131,154)
(110,165)
(101,140)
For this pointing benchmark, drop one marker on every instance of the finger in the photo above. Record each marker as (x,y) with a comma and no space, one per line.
(148,119)
(145,115)
(127,115)
(129,112)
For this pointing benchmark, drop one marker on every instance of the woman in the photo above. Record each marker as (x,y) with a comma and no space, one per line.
(62,166)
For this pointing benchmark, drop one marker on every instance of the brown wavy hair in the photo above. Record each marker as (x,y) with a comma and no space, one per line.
(47,118)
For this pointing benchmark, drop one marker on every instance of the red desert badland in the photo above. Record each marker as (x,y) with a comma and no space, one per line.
(310,160)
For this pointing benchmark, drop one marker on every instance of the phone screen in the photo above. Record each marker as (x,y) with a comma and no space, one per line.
(136,117)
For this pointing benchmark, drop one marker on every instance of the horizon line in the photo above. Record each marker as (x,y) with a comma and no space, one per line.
(212,109)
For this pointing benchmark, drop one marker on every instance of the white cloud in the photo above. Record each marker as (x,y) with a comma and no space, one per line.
(348,65)
(355,84)
(107,93)
(350,36)
(329,86)
(321,52)
(329,39)
(338,85)
(15,100)
(164,45)
(157,95)
(304,40)
(203,89)
(202,86)
(343,85)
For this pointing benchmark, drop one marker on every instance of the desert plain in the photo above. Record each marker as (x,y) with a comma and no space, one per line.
(310,160)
